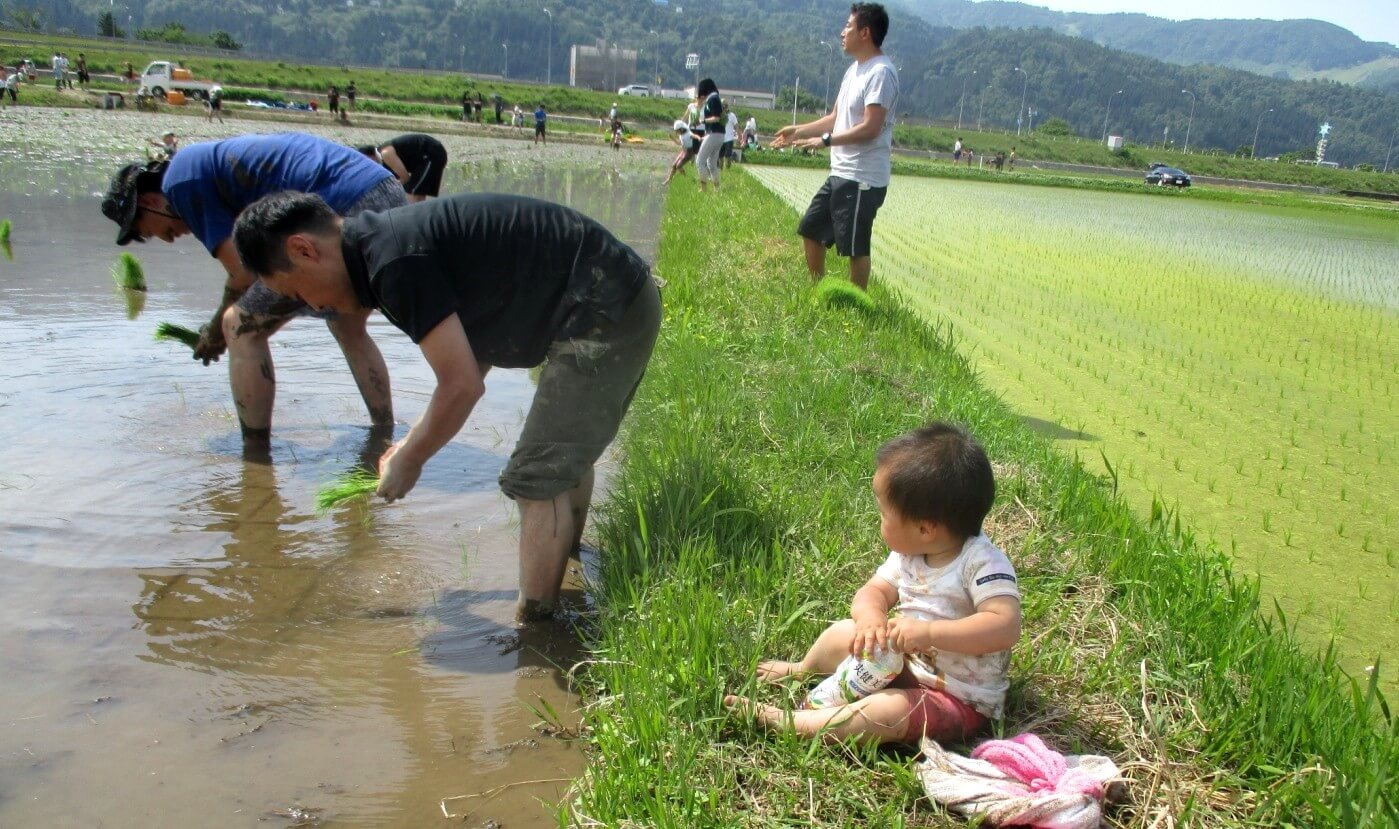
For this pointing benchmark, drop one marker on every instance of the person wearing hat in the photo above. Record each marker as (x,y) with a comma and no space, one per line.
(201,191)
(480,280)
(416,160)
(689,147)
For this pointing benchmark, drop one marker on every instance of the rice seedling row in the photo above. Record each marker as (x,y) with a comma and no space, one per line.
(1237,362)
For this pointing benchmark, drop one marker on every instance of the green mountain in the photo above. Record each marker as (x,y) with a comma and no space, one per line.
(1302,49)
(756,44)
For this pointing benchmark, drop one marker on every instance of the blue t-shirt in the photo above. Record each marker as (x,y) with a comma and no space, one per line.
(539,117)
(209,184)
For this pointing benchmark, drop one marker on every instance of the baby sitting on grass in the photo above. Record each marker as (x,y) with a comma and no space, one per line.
(956,597)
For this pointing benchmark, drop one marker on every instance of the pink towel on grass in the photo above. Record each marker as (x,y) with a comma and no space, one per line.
(1018,782)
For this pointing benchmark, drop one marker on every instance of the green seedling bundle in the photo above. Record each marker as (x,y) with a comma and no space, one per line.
(128,273)
(170,332)
(358,484)
(1234,361)
(838,292)
(5,240)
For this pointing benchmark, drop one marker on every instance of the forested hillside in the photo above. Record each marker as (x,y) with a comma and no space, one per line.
(1288,48)
(752,45)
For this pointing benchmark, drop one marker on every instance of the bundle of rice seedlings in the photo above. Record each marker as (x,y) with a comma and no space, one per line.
(838,293)
(135,303)
(127,273)
(357,484)
(5,240)
(178,333)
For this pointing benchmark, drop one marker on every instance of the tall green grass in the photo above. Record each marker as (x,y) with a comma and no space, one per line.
(741,522)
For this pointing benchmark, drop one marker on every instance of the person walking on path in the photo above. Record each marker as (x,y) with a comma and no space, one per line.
(711,110)
(416,160)
(83,77)
(479,280)
(859,131)
(540,116)
(215,103)
(201,191)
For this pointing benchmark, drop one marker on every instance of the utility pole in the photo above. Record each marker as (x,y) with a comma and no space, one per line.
(549,51)
(962,98)
(1253,148)
(826,100)
(1192,118)
(506,47)
(656,59)
(1106,114)
(1023,89)
(773,61)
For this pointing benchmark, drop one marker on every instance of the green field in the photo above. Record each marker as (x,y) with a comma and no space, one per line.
(1234,363)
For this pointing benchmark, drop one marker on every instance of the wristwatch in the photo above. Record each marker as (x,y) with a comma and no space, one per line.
(826,138)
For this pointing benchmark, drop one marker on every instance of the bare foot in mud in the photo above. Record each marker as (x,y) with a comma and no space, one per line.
(778,671)
(767,716)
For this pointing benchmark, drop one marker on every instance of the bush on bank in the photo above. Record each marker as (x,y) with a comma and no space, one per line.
(741,522)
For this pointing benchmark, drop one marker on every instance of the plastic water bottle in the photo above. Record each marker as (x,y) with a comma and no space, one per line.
(856,677)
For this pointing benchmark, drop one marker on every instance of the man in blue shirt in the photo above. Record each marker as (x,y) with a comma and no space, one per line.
(201,191)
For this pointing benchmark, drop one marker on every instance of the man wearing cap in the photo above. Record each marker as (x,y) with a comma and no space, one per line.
(201,191)
(416,160)
(480,280)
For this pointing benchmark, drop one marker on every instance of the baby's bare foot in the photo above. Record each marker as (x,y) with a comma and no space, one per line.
(777,671)
(766,716)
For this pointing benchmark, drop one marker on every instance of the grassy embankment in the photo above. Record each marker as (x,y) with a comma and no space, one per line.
(937,168)
(410,93)
(742,521)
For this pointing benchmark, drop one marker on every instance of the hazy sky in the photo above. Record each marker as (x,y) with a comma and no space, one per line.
(1370,19)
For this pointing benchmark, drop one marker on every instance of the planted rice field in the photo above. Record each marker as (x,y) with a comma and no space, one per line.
(1233,365)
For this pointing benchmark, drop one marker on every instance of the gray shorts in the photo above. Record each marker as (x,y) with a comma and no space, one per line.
(584,390)
(268,306)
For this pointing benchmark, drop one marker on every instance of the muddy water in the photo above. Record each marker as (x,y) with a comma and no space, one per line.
(183,640)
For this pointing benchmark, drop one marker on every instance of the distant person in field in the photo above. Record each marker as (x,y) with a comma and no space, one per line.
(478,105)
(750,133)
(201,191)
(332,99)
(214,104)
(1012,158)
(726,152)
(859,131)
(130,74)
(711,110)
(479,280)
(540,116)
(466,106)
(165,148)
(957,150)
(689,147)
(517,118)
(416,160)
(953,593)
(83,77)
(350,94)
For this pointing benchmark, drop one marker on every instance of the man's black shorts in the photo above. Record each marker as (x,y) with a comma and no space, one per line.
(539,127)
(842,214)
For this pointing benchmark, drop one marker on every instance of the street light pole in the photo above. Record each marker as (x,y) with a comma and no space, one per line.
(506,47)
(655,58)
(981,105)
(962,98)
(1192,118)
(1106,114)
(1390,150)
(1023,89)
(1253,148)
(549,51)
(826,100)
(773,61)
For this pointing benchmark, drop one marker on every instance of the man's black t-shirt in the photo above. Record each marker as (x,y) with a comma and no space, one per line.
(519,272)
(713,108)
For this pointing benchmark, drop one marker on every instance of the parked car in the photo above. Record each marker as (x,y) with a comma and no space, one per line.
(638,89)
(1164,176)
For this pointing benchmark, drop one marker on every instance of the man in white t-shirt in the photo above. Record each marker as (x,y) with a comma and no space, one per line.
(859,131)
(750,131)
(726,153)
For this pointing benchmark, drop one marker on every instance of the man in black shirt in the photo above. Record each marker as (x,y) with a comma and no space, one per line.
(477,280)
(416,160)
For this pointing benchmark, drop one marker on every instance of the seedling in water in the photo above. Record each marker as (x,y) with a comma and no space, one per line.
(178,333)
(127,273)
(5,240)
(357,484)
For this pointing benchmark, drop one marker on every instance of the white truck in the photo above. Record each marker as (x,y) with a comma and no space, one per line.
(162,76)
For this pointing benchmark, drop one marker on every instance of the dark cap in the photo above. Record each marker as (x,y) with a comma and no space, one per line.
(120,204)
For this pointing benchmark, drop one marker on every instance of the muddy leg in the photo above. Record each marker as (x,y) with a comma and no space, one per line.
(250,371)
(546,531)
(366,364)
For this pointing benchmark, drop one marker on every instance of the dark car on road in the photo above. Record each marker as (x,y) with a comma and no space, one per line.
(1164,176)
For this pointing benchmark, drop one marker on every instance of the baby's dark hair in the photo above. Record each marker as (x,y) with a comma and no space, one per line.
(939,473)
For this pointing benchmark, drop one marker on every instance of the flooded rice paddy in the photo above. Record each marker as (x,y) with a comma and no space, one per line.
(183,640)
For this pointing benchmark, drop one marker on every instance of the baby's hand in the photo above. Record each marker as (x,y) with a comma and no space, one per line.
(870,633)
(910,635)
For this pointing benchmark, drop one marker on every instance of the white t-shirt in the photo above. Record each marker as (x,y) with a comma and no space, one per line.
(687,140)
(751,126)
(875,81)
(980,572)
(731,127)
(691,113)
